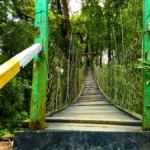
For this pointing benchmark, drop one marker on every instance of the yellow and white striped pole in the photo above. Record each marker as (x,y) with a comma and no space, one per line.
(11,67)
(8,70)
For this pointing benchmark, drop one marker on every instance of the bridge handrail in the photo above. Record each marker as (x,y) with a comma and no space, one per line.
(11,67)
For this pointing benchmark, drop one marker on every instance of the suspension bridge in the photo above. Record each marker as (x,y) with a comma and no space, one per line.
(92,112)
(92,121)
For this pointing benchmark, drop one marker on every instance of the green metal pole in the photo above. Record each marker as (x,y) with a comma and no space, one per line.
(40,69)
(146,57)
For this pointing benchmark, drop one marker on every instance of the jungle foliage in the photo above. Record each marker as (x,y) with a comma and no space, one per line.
(112,29)
(120,79)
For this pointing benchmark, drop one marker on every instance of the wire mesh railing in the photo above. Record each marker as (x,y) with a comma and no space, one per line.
(65,81)
(121,81)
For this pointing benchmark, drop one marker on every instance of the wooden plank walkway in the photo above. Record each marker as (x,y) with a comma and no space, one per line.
(92,112)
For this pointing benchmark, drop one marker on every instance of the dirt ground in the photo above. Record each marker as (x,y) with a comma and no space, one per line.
(6,146)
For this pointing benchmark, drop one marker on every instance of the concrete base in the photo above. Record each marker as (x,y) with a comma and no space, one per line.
(69,140)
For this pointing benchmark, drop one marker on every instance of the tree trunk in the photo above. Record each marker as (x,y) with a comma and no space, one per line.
(66,15)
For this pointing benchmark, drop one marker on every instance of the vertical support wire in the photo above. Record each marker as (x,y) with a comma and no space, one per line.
(68,72)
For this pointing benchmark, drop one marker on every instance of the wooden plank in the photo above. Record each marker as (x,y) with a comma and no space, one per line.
(91,88)
(91,91)
(94,121)
(133,114)
(92,107)
(94,90)
(94,86)
(93,116)
(93,96)
(91,102)
(92,127)
(94,113)
(86,93)
(85,108)
(90,99)
(91,111)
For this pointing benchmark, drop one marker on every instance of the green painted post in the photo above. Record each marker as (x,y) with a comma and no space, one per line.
(146,57)
(40,69)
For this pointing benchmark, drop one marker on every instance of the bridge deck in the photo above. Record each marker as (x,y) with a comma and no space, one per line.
(92,112)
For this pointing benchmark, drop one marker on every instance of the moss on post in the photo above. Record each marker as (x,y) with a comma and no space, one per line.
(40,69)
